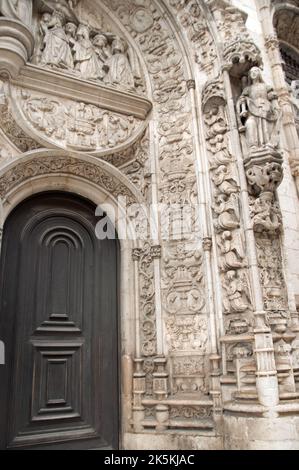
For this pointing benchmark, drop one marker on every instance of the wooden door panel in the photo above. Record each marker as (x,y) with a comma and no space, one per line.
(62,370)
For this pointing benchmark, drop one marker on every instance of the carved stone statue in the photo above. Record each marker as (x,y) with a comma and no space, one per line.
(227,209)
(56,52)
(258,113)
(225,181)
(237,299)
(100,43)
(232,250)
(85,57)
(120,72)
(18,9)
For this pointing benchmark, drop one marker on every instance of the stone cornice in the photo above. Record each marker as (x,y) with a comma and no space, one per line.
(61,85)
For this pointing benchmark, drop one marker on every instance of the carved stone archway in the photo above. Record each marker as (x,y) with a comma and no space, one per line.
(102,184)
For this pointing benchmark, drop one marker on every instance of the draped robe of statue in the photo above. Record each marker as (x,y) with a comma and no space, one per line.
(120,71)
(258,113)
(85,57)
(57,51)
(18,9)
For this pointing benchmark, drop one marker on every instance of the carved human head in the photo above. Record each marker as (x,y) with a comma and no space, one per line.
(58,17)
(100,40)
(71,29)
(231,275)
(83,30)
(118,46)
(255,73)
(46,17)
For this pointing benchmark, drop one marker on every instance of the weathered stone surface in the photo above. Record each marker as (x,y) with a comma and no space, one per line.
(182,114)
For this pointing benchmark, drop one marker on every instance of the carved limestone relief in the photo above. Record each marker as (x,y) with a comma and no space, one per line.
(20,10)
(73,125)
(260,121)
(226,211)
(68,39)
(188,374)
(186,323)
(12,131)
(145,259)
(195,23)
(271,273)
(57,165)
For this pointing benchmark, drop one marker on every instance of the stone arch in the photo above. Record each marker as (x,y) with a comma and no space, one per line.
(101,183)
(286,24)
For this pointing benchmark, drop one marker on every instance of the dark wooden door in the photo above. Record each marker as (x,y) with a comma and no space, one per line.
(58,319)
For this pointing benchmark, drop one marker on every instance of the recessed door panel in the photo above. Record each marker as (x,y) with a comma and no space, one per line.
(59,321)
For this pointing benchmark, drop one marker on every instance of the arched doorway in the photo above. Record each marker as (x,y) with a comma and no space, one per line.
(59,322)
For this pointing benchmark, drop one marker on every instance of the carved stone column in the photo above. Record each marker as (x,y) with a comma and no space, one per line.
(16,47)
(272,46)
(266,374)
(160,388)
(138,395)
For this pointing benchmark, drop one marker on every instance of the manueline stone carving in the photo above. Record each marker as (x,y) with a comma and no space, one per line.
(237,298)
(17,9)
(258,113)
(13,131)
(188,374)
(195,23)
(75,125)
(65,43)
(55,51)
(147,299)
(54,165)
(226,210)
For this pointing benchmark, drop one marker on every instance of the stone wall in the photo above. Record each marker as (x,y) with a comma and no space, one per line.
(161,104)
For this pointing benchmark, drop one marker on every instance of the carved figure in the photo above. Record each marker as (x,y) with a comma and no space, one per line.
(232,250)
(237,299)
(18,9)
(266,213)
(258,113)
(120,72)
(85,57)
(224,180)
(100,43)
(56,48)
(228,212)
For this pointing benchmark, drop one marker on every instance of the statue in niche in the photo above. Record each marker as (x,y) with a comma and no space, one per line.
(85,57)
(120,72)
(258,113)
(56,49)
(17,9)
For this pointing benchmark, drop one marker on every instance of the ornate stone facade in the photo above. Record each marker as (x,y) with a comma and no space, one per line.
(178,109)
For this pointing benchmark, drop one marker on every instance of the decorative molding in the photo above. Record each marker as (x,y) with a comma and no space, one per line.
(63,86)
(53,164)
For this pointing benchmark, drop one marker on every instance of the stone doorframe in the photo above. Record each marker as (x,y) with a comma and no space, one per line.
(100,183)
